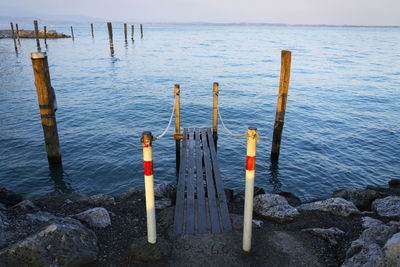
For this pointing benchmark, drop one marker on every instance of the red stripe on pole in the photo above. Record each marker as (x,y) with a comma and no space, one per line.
(146,145)
(250,163)
(148,168)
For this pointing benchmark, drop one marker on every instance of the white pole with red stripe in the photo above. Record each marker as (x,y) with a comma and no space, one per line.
(249,191)
(147,139)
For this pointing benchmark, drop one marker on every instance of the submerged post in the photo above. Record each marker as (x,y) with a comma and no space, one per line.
(45,35)
(91,27)
(17,32)
(35,23)
(215,113)
(177,137)
(47,105)
(249,189)
(133,32)
(141,31)
(125,33)
(110,35)
(13,36)
(281,105)
(72,33)
(147,139)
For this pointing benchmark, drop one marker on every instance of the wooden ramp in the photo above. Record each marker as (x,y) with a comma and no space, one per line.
(201,205)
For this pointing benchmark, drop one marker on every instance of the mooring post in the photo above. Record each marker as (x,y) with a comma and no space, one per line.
(72,33)
(133,32)
(141,30)
(35,23)
(13,36)
(125,33)
(249,189)
(45,35)
(17,31)
(110,36)
(147,139)
(177,136)
(91,27)
(215,113)
(281,105)
(47,105)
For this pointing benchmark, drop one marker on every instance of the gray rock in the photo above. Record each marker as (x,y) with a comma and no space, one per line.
(367,256)
(237,222)
(394,184)
(291,198)
(2,207)
(239,197)
(163,203)
(101,199)
(388,206)
(164,191)
(327,234)
(336,206)
(64,242)
(96,217)
(135,191)
(143,251)
(9,198)
(391,251)
(363,198)
(25,205)
(40,216)
(274,207)
(343,193)
(368,222)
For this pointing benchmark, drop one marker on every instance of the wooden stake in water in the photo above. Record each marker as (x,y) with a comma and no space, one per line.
(47,105)
(215,113)
(13,36)
(72,33)
(91,27)
(133,32)
(17,31)
(35,23)
(177,137)
(125,33)
(45,35)
(110,35)
(141,31)
(281,105)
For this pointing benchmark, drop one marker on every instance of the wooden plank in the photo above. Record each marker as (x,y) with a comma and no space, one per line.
(212,203)
(179,207)
(189,218)
(221,198)
(201,202)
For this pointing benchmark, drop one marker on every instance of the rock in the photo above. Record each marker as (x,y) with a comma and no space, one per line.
(240,196)
(391,251)
(40,216)
(9,198)
(96,217)
(31,34)
(163,203)
(336,206)
(135,191)
(101,199)
(258,223)
(228,195)
(165,219)
(64,242)
(368,256)
(388,206)
(237,222)
(363,198)
(25,205)
(343,193)
(327,234)
(142,250)
(165,191)
(368,222)
(274,207)
(394,184)
(291,198)
(3,207)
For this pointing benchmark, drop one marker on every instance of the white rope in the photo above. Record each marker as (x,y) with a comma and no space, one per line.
(169,123)
(226,129)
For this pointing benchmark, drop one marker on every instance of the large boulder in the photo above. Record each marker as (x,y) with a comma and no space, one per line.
(368,222)
(391,251)
(164,191)
(394,184)
(101,199)
(362,198)
(274,207)
(239,197)
(9,198)
(388,206)
(328,234)
(61,242)
(96,217)
(336,206)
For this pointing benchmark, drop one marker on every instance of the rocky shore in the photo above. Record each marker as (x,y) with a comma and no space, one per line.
(360,227)
(31,34)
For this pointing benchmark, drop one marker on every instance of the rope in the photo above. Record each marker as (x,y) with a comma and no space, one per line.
(226,129)
(169,123)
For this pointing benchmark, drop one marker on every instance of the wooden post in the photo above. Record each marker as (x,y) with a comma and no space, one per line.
(249,189)
(281,105)
(133,33)
(141,31)
(215,113)
(91,27)
(72,33)
(17,31)
(110,35)
(46,99)
(13,36)
(45,35)
(35,23)
(177,92)
(147,139)
(125,33)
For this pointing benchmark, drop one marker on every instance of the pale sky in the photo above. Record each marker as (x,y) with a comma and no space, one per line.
(339,12)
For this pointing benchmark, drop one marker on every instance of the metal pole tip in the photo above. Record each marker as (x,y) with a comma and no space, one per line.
(38,55)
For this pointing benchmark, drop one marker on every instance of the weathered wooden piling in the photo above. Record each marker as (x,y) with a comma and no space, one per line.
(125,32)
(281,105)
(177,136)
(45,35)
(47,105)
(13,36)
(72,33)
(215,114)
(17,32)
(133,32)
(141,30)
(91,27)
(35,23)
(110,35)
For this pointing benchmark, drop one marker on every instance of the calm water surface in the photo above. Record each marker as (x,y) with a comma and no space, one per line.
(341,128)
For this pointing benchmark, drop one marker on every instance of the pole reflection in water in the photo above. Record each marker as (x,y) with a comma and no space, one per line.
(57,175)
(274,176)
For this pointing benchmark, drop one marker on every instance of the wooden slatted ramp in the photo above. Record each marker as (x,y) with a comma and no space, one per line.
(201,205)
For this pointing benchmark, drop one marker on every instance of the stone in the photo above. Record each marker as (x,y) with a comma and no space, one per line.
(163,203)
(96,217)
(40,216)
(328,234)
(291,198)
(9,198)
(343,193)
(336,206)
(394,184)
(368,256)
(135,191)
(164,191)
(142,250)
(274,207)
(391,251)
(228,195)
(239,197)
(65,242)
(2,207)
(101,199)
(388,206)
(368,222)
(363,198)
(237,222)
(25,205)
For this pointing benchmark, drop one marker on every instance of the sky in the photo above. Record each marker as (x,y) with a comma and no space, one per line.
(336,12)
